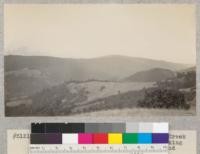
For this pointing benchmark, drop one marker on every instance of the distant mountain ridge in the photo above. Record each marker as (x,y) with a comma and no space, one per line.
(113,67)
(152,75)
(35,73)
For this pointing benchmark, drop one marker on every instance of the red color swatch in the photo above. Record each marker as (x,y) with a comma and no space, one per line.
(100,138)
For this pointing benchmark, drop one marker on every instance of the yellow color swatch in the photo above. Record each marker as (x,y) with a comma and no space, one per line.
(114,138)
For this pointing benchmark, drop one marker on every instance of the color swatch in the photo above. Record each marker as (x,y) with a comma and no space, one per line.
(130,138)
(85,138)
(145,138)
(100,138)
(70,138)
(99,127)
(99,133)
(160,138)
(51,138)
(115,138)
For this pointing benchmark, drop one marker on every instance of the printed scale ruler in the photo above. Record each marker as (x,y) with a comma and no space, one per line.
(99,149)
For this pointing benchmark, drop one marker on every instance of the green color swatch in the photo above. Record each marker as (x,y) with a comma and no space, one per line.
(130,138)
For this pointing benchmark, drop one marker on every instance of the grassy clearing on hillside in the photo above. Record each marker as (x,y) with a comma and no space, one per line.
(99,89)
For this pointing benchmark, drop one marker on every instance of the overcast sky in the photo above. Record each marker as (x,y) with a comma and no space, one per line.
(163,32)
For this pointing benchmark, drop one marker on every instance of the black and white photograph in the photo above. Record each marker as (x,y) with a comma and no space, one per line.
(114,60)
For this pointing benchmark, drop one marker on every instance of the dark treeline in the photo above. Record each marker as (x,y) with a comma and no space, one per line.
(175,93)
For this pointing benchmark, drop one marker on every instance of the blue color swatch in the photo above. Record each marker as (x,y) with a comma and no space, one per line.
(145,138)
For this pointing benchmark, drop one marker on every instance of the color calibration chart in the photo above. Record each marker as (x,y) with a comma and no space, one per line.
(105,138)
